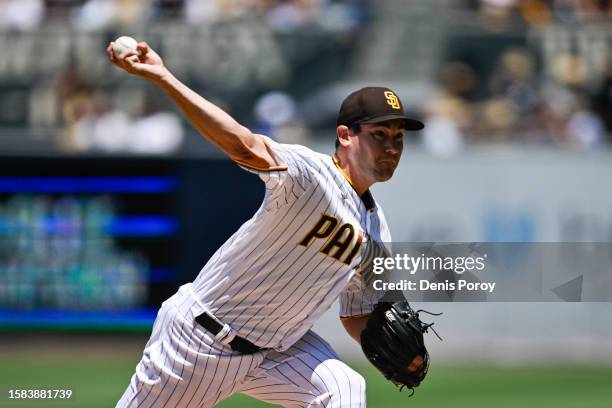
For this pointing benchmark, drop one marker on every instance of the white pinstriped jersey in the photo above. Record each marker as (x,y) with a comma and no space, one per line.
(286,265)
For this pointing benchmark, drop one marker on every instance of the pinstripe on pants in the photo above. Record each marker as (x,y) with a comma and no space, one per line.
(183,366)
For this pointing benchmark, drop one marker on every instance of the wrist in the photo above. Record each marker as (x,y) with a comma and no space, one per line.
(165,80)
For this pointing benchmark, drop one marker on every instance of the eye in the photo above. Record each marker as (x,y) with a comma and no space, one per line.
(379,135)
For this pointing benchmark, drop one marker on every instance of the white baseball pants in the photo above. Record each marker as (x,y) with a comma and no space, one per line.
(184,366)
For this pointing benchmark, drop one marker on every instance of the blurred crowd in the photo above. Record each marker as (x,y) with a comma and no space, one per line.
(551,86)
(518,102)
(94,122)
(535,71)
(539,13)
(90,15)
(55,74)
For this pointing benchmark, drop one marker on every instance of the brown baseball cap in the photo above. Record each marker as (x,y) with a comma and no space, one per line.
(374,105)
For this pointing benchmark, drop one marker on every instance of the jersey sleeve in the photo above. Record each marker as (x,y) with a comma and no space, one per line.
(358,299)
(385,232)
(286,181)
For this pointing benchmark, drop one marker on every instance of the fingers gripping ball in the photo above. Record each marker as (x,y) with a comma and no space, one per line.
(393,342)
(124,44)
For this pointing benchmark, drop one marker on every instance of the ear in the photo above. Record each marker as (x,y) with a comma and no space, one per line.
(342,133)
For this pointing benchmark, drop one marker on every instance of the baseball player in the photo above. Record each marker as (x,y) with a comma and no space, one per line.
(244,324)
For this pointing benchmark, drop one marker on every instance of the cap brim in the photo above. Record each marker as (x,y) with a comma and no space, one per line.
(409,124)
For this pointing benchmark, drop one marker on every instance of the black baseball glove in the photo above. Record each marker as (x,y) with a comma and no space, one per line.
(393,337)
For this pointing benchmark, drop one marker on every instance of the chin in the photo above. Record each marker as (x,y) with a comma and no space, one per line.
(384,175)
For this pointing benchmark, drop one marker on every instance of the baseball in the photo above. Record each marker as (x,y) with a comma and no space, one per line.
(124,44)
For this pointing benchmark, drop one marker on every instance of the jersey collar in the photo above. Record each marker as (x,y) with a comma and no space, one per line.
(366,197)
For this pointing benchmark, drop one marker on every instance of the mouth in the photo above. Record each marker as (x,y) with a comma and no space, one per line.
(388,162)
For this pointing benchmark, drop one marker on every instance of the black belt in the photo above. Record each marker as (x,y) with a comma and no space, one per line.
(237,344)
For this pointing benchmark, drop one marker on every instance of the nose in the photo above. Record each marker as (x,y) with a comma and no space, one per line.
(391,148)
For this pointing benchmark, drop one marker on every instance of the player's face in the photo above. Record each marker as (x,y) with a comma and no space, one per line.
(380,149)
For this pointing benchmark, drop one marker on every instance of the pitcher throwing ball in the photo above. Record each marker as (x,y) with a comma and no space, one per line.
(243,325)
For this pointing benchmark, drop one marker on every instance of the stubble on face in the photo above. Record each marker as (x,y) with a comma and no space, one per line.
(383,145)
(384,172)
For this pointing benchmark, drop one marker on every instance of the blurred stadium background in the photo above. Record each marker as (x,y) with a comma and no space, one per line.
(109,200)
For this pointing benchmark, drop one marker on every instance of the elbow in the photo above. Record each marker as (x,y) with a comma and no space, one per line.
(243,155)
(236,141)
(247,148)
(243,143)
(247,138)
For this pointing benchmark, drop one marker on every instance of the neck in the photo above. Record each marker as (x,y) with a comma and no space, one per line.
(351,173)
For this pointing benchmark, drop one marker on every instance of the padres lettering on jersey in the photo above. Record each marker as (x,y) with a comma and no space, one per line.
(343,238)
(286,266)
